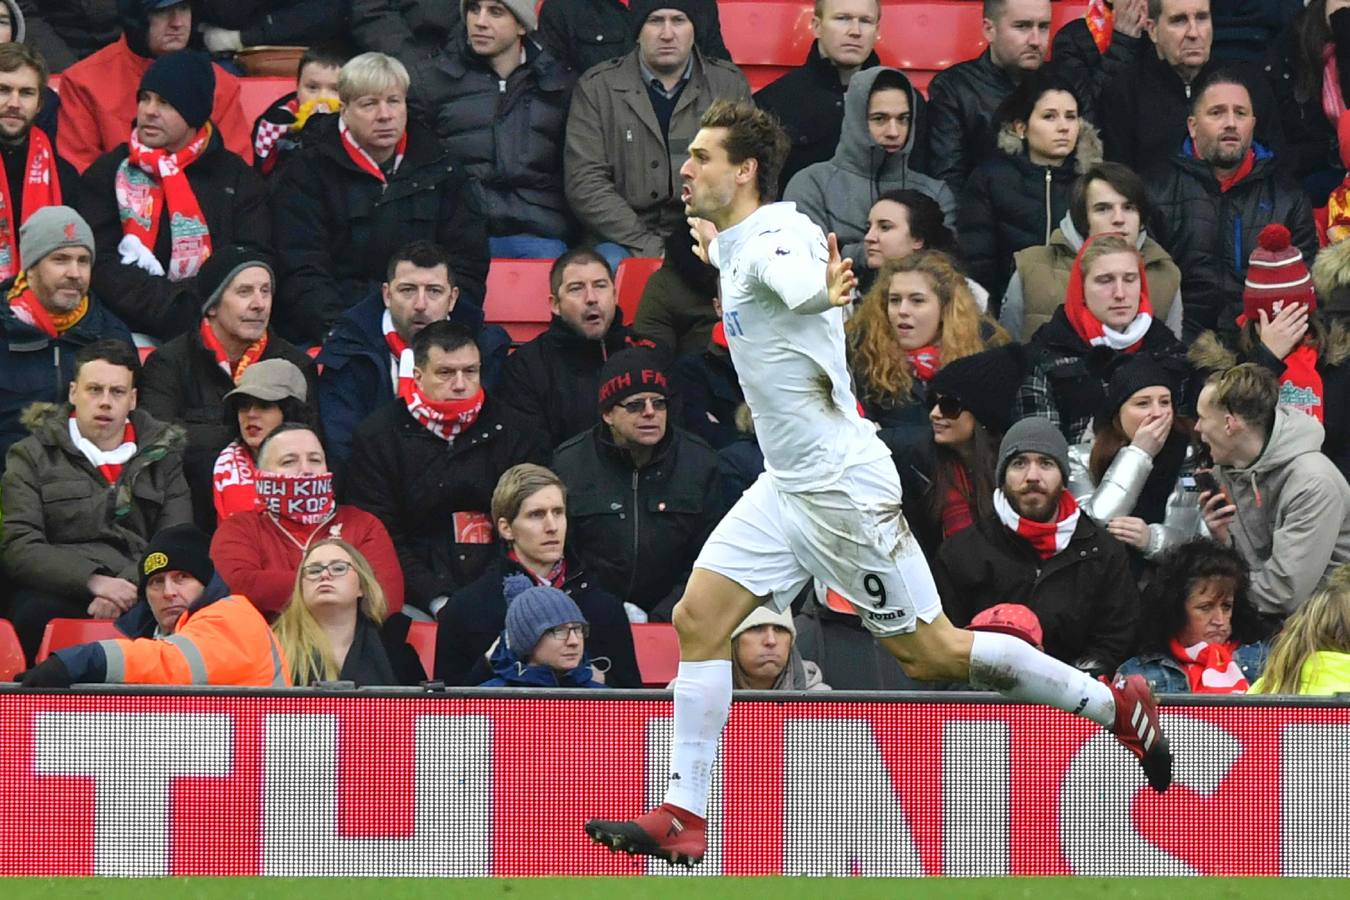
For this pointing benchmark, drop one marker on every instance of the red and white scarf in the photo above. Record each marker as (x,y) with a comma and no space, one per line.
(925,361)
(302,499)
(1210,668)
(363,160)
(403,357)
(236,371)
(41,187)
(1047,538)
(1301,384)
(444,418)
(148,180)
(108,462)
(1089,327)
(1101,20)
(232,481)
(556,575)
(28,308)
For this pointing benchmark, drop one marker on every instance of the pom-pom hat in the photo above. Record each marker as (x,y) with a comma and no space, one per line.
(1276,277)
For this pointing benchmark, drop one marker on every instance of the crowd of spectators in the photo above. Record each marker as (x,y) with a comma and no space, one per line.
(1099,329)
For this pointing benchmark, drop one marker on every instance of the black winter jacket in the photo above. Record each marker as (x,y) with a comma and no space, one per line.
(638,531)
(1010,203)
(233,199)
(809,102)
(710,394)
(1087,68)
(337,226)
(476,615)
(181,383)
(1310,136)
(1211,234)
(411,30)
(15,160)
(418,485)
(1085,596)
(67,31)
(583,33)
(1144,110)
(961,105)
(509,139)
(302,23)
(554,379)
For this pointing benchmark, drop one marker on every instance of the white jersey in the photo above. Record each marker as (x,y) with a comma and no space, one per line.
(787,344)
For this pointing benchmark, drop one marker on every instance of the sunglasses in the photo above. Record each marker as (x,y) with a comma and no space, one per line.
(638,407)
(947,407)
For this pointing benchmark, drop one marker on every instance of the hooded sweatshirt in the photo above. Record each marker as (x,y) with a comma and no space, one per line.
(17,31)
(838,194)
(1293,514)
(1041,278)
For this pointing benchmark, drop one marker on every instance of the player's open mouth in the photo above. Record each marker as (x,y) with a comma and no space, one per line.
(686,194)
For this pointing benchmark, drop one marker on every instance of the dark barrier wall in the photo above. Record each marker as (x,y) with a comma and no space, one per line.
(483,784)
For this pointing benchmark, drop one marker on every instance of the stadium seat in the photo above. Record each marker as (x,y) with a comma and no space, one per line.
(256,94)
(630,281)
(11,654)
(422,638)
(766,37)
(952,31)
(517,297)
(658,652)
(62,633)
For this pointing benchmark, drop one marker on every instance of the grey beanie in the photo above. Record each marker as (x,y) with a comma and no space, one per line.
(1033,435)
(534,611)
(48,230)
(523,10)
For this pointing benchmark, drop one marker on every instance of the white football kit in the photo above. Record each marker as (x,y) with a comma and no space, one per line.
(828,503)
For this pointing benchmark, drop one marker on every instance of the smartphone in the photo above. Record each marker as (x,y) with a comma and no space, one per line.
(1205,482)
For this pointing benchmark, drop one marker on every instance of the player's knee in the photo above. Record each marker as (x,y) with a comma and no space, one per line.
(687,620)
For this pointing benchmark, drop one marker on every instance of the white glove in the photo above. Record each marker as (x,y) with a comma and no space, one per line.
(134,253)
(635,613)
(221,40)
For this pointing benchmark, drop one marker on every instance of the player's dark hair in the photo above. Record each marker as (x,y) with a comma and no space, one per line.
(326,55)
(577,255)
(423,255)
(754,134)
(1122,180)
(446,336)
(111,351)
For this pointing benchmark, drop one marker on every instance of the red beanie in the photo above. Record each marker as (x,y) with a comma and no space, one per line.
(1276,277)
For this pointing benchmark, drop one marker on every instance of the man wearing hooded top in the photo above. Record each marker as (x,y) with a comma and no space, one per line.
(258,552)
(98,94)
(873,157)
(162,200)
(809,100)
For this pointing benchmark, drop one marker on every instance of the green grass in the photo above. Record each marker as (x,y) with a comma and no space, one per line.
(680,888)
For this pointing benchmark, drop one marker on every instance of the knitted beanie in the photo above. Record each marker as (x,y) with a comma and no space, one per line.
(1276,276)
(640,10)
(985,383)
(186,80)
(766,615)
(48,230)
(222,265)
(1134,373)
(182,548)
(523,10)
(1033,435)
(637,370)
(533,611)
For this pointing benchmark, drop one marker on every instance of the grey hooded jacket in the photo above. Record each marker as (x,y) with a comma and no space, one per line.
(1293,514)
(838,194)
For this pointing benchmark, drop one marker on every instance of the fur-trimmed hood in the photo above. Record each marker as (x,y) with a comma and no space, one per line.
(1086,153)
(1331,277)
(47,422)
(1208,353)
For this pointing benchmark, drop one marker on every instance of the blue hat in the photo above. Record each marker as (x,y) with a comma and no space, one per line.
(186,80)
(533,611)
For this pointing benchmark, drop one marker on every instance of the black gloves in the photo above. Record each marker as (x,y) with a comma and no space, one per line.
(51,672)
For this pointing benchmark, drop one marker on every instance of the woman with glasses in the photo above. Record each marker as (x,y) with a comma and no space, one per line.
(917,318)
(544,641)
(332,629)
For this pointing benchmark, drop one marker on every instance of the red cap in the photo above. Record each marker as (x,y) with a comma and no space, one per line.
(1010,618)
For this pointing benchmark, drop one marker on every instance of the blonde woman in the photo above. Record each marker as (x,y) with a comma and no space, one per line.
(918,316)
(1312,653)
(332,628)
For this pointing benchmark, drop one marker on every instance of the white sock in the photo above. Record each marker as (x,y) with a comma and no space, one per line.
(702,704)
(1018,670)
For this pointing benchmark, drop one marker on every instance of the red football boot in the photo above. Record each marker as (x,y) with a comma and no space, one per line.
(667,832)
(1138,728)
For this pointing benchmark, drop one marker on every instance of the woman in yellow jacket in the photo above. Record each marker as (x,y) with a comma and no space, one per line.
(202,634)
(1312,653)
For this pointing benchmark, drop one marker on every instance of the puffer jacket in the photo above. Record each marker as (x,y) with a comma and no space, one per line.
(1118,494)
(1076,56)
(512,671)
(1293,514)
(233,200)
(69,30)
(508,136)
(411,30)
(621,173)
(435,499)
(1010,203)
(1211,233)
(336,226)
(837,195)
(585,33)
(64,522)
(1166,676)
(1041,276)
(962,100)
(638,531)
(38,368)
(1333,364)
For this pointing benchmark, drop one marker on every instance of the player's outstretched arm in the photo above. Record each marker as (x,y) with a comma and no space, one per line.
(839,276)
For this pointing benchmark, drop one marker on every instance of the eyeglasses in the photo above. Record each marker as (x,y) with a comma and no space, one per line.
(563,632)
(638,407)
(947,407)
(337,568)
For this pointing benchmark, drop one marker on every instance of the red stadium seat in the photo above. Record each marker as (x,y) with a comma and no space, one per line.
(11,654)
(630,281)
(517,297)
(256,94)
(951,30)
(69,632)
(766,37)
(422,638)
(658,652)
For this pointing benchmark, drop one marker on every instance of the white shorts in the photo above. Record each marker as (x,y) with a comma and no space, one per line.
(851,536)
